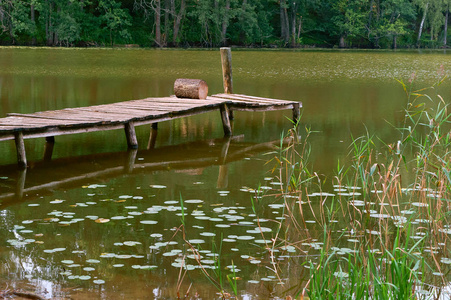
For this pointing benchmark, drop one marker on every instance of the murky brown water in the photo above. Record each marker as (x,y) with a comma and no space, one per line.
(54,205)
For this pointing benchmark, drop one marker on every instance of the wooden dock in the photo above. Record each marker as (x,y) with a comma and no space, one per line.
(129,114)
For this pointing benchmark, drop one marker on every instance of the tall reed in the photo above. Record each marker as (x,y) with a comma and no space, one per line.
(391,203)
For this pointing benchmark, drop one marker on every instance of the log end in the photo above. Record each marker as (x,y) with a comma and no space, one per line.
(191,88)
(203,90)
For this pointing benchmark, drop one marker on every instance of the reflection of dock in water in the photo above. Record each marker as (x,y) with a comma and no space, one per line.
(45,176)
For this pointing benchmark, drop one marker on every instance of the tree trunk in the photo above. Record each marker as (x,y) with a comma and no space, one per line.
(225,24)
(190,88)
(48,25)
(158,23)
(242,19)
(422,24)
(394,42)
(342,43)
(299,27)
(10,28)
(55,34)
(284,22)
(293,26)
(166,21)
(33,39)
(178,20)
(370,16)
(446,27)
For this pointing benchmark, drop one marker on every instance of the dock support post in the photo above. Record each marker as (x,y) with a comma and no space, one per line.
(225,120)
(48,148)
(130,134)
(296,112)
(226,61)
(20,148)
(153,136)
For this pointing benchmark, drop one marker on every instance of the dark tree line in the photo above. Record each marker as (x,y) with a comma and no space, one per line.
(210,23)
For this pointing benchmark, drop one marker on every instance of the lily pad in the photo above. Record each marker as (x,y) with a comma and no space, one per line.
(98,281)
(148,222)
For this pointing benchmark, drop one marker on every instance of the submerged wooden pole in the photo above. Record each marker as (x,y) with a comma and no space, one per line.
(224,109)
(226,61)
(20,148)
(130,162)
(20,187)
(130,134)
(296,112)
(153,136)
(48,148)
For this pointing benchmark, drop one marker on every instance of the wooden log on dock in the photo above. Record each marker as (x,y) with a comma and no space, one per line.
(190,88)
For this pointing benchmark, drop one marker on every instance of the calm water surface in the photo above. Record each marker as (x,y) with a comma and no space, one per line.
(99,222)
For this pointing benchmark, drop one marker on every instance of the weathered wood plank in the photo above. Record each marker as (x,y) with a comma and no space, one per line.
(261,108)
(44,115)
(251,99)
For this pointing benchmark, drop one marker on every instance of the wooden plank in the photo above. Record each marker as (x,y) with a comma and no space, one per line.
(172,106)
(252,99)
(45,115)
(117,111)
(178,101)
(261,108)
(247,98)
(55,131)
(96,114)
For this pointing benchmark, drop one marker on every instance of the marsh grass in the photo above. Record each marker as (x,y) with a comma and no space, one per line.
(384,232)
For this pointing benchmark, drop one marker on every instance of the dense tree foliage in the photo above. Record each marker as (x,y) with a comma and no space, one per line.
(209,23)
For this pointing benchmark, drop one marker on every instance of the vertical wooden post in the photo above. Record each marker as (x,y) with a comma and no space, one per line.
(20,148)
(226,61)
(296,112)
(225,120)
(130,134)
(153,136)
(48,148)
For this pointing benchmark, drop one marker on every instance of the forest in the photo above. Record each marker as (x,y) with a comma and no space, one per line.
(369,24)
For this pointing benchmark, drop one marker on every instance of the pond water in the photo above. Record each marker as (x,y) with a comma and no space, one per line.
(101,222)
